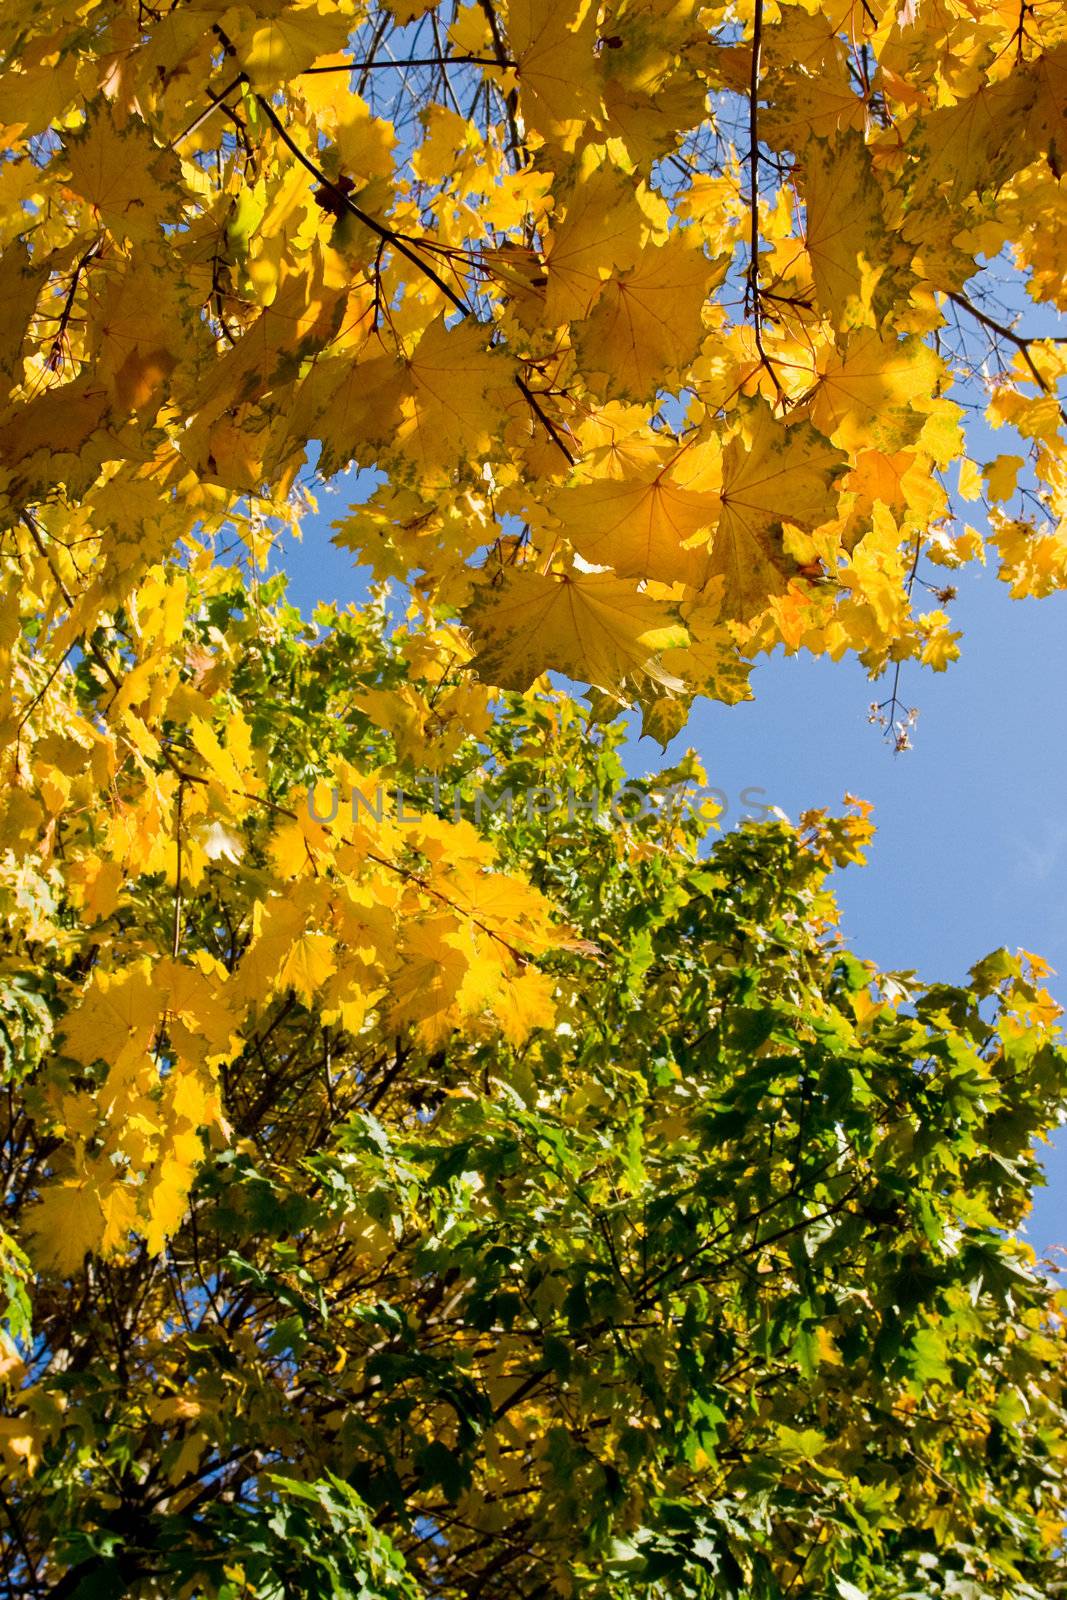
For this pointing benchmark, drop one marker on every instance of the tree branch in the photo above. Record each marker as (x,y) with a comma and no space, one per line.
(412,61)
(1004,332)
(753,170)
(387,235)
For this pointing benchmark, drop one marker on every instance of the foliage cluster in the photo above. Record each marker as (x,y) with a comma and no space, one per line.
(552,1208)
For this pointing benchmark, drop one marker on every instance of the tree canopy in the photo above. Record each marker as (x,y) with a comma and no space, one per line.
(658,324)
(502,1200)
(427,1170)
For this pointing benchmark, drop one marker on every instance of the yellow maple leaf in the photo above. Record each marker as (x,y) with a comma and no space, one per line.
(67,1224)
(843,231)
(448,414)
(973,144)
(1033,562)
(68,421)
(191,1096)
(433,960)
(554,45)
(867,391)
(402,712)
(502,905)
(773,473)
(939,641)
(226,766)
(307,964)
(115,1018)
(37,94)
(969,485)
(167,1201)
(595,628)
(648,321)
(409,10)
(348,995)
(130,183)
(641,524)
(353,405)
(525,1003)
(1001,475)
(450,140)
(118,1202)
(280,47)
(275,924)
(366,143)
(603,228)
(20,1444)
(819,104)
(451,845)
(878,476)
(711,661)
(195,999)
(134,319)
(21,282)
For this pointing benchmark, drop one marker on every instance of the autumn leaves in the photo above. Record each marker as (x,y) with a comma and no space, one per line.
(647,344)
(624,441)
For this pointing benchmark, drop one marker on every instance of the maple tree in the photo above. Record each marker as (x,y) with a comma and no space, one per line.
(429,1195)
(485,1204)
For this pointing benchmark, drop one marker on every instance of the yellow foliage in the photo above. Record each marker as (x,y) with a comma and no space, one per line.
(636,407)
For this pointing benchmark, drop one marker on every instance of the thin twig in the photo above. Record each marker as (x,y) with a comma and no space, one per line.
(216,101)
(176,943)
(753,169)
(511,104)
(413,61)
(35,531)
(389,236)
(1004,332)
(56,351)
(549,425)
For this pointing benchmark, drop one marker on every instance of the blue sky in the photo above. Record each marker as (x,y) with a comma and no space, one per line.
(971,849)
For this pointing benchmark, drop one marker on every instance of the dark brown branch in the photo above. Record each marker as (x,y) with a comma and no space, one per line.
(413,61)
(35,531)
(386,234)
(216,101)
(1004,332)
(177,939)
(753,170)
(17,1529)
(543,417)
(389,235)
(56,352)
(511,104)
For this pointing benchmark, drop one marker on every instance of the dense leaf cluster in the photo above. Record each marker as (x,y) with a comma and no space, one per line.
(705,1286)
